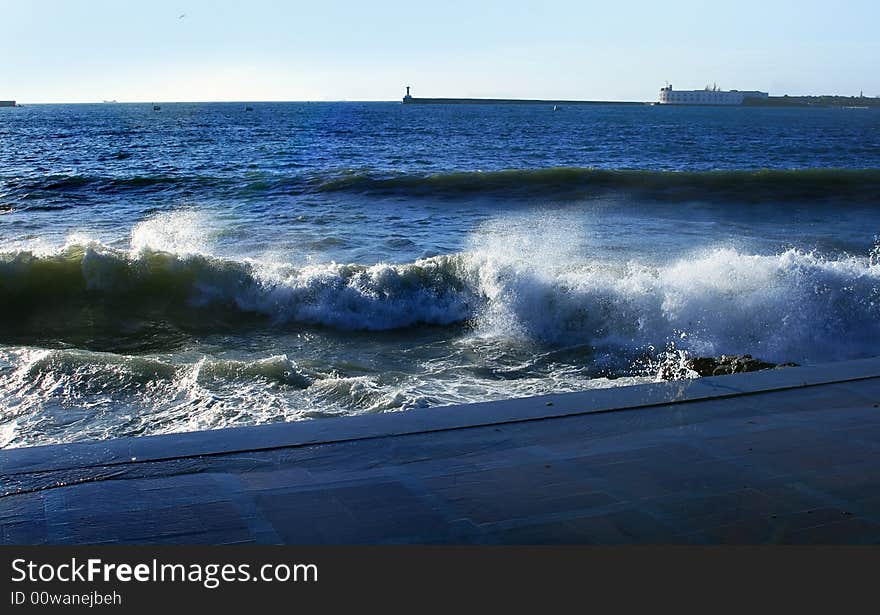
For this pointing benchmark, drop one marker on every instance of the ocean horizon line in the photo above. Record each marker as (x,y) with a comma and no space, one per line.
(258,101)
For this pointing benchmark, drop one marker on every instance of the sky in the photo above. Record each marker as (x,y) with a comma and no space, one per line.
(212,50)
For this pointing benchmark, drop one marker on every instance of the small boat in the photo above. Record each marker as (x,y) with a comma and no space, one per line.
(157,108)
(556,107)
(248,108)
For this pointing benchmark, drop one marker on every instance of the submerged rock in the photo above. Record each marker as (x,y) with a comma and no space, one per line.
(730,364)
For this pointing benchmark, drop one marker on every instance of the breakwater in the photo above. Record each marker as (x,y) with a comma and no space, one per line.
(409,100)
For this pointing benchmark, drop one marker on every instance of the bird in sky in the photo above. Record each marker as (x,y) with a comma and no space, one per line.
(182,15)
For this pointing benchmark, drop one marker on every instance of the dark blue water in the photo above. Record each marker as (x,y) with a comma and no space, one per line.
(205,265)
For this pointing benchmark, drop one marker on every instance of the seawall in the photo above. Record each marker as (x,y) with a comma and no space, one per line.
(787,455)
(511,101)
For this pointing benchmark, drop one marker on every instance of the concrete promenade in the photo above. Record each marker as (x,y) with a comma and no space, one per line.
(780,456)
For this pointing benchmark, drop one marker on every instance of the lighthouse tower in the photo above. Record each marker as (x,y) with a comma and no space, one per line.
(407,98)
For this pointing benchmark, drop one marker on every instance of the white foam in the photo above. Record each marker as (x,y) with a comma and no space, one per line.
(184,231)
(791,306)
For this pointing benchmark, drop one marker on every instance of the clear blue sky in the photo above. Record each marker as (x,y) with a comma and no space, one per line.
(88,50)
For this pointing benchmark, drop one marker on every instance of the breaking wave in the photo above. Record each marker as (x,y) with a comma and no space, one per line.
(790,306)
(102,282)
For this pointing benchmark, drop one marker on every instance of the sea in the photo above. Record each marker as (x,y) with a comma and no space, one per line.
(210,265)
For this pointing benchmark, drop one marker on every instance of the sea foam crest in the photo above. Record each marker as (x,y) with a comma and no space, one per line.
(788,306)
(791,306)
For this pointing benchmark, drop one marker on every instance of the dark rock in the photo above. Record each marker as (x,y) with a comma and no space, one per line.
(704,366)
(722,370)
(730,364)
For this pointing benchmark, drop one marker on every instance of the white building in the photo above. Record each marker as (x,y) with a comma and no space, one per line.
(707,96)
